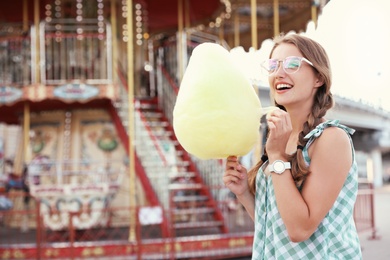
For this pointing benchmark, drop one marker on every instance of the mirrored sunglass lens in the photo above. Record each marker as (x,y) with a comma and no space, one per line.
(292,63)
(272,65)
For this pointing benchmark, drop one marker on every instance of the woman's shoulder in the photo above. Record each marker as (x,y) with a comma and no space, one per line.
(333,143)
(330,137)
(331,126)
(334,135)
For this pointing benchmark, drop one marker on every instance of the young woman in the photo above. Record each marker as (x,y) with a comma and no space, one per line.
(301,194)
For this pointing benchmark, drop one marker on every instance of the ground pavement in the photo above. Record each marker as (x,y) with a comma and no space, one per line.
(379,248)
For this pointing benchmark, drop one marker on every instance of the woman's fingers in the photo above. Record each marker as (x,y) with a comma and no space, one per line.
(235,176)
(231,159)
(231,178)
(231,162)
(234,171)
(279,120)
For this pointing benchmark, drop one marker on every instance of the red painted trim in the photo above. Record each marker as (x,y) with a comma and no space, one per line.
(226,246)
(148,189)
(171,81)
(153,200)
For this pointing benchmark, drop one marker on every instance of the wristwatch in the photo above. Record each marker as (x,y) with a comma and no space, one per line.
(279,166)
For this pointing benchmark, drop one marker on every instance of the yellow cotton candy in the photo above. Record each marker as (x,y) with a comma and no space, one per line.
(217,112)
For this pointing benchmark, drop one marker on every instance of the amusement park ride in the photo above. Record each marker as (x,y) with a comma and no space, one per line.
(87,90)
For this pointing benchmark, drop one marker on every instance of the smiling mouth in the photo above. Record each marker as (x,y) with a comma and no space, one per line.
(283,86)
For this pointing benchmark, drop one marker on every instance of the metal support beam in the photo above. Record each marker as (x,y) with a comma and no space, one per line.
(236,29)
(114,39)
(180,39)
(276,18)
(37,50)
(130,85)
(254,24)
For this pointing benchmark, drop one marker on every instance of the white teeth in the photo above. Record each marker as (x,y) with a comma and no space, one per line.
(283,86)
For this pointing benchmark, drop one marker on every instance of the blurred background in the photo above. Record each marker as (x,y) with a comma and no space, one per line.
(90,166)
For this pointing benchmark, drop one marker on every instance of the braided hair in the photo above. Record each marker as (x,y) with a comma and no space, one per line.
(323,101)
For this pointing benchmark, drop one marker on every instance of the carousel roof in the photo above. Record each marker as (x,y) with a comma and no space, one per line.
(215,14)
(162,15)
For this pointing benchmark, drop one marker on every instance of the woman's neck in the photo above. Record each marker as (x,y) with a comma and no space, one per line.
(298,118)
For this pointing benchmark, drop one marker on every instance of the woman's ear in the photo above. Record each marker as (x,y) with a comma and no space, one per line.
(319,81)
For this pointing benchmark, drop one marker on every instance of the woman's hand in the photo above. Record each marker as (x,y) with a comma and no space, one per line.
(235,177)
(280,128)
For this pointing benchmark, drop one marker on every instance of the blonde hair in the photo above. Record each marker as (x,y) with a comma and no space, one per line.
(323,101)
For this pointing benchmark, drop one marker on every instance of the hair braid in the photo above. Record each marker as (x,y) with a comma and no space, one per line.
(324,101)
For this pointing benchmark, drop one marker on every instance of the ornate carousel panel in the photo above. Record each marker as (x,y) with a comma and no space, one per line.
(77,168)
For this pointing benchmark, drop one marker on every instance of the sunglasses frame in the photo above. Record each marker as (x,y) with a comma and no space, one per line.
(301,59)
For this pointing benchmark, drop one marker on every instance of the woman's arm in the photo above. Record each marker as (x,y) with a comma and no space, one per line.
(248,201)
(331,160)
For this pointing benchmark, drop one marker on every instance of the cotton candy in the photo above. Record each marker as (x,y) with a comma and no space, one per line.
(217,111)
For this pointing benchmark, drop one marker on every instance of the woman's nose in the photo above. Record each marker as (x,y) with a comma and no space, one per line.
(279,72)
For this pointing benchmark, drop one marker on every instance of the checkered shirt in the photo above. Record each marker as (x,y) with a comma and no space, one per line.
(335,237)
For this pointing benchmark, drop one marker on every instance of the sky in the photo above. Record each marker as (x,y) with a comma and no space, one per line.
(356,36)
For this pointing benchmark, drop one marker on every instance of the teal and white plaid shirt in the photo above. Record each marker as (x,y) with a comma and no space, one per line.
(336,236)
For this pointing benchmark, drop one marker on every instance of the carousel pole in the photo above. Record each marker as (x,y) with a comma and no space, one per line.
(257,147)
(26,111)
(221,33)
(180,39)
(276,17)
(26,122)
(25,15)
(314,15)
(187,25)
(130,85)
(254,24)
(236,29)
(38,56)
(187,14)
(114,38)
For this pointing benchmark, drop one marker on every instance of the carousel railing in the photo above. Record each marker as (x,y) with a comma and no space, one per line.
(75,51)
(26,234)
(153,158)
(364,210)
(15,60)
(147,146)
(69,51)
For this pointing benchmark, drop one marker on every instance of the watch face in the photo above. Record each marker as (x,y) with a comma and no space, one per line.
(279,166)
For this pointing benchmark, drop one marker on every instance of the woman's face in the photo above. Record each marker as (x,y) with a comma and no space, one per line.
(293,90)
